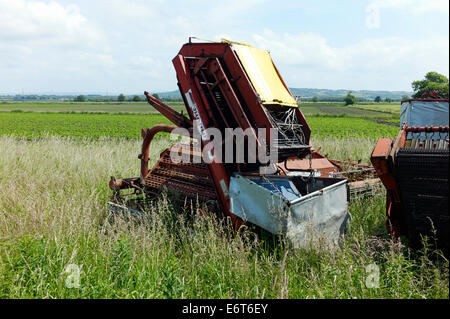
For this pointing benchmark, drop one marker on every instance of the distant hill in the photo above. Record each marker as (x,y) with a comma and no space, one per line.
(171,95)
(366,94)
(320,93)
(324,95)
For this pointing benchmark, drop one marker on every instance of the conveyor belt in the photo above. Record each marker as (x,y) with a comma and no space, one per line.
(191,180)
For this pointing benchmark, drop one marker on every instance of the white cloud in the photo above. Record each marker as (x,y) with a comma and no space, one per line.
(101,60)
(414,6)
(382,63)
(304,49)
(46,40)
(36,34)
(129,45)
(40,22)
(373,16)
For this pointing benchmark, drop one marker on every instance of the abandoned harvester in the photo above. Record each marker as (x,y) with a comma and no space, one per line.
(414,170)
(249,152)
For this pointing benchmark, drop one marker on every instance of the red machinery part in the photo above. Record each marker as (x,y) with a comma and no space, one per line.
(218,93)
(384,160)
(205,70)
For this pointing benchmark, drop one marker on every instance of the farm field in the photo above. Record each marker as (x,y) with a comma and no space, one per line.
(38,125)
(95,107)
(54,173)
(392,109)
(87,125)
(358,110)
(53,198)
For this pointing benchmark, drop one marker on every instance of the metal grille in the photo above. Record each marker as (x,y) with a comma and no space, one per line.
(423,186)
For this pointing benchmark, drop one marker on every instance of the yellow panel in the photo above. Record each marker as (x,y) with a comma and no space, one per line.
(264,77)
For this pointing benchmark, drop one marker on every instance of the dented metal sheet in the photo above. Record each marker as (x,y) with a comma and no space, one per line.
(305,213)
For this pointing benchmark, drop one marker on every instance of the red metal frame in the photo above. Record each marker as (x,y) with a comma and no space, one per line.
(217,92)
(383,159)
(175,117)
(147,135)
(204,68)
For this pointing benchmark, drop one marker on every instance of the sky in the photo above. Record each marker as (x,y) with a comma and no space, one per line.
(127,46)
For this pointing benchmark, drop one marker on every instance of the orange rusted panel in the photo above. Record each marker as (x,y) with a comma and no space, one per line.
(320,164)
(382,148)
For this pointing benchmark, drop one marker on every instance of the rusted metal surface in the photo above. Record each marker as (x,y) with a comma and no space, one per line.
(320,164)
(175,117)
(116,184)
(147,135)
(380,159)
(218,93)
(414,170)
(190,179)
(441,129)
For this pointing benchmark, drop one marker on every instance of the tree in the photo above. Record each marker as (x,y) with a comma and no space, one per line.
(350,99)
(156,96)
(378,99)
(136,98)
(405,97)
(433,82)
(121,98)
(388,100)
(80,98)
(315,99)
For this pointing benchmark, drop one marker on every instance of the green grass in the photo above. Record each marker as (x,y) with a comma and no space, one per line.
(106,107)
(37,125)
(359,110)
(354,148)
(391,109)
(348,127)
(53,196)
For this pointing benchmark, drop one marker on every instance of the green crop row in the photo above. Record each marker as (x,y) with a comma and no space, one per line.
(349,127)
(38,125)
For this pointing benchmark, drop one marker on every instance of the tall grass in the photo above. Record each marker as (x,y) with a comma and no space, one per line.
(53,195)
(345,148)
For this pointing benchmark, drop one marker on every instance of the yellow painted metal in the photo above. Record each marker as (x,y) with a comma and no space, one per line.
(265,79)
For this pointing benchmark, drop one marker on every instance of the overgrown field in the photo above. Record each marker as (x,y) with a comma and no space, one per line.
(55,163)
(335,108)
(87,125)
(53,219)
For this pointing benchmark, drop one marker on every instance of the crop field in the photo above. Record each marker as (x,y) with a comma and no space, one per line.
(38,125)
(96,107)
(88,125)
(392,109)
(358,110)
(54,173)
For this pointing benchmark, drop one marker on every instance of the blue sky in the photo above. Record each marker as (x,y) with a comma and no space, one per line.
(127,46)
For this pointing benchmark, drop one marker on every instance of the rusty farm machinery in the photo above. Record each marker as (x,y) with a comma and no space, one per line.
(414,170)
(239,108)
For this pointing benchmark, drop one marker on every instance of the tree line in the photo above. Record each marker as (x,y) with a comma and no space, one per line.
(120,98)
(434,85)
